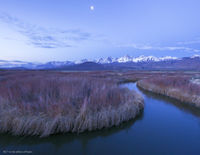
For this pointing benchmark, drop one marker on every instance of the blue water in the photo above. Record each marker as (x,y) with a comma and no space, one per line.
(165,127)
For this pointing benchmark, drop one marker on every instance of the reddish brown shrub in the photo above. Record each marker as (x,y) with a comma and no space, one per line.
(178,87)
(43,103)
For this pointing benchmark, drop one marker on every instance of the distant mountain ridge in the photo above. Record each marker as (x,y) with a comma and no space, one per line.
(127,61)
(128,58)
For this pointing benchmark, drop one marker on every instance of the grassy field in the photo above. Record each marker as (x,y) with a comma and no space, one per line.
(43,103)
(179,87)
(47,102)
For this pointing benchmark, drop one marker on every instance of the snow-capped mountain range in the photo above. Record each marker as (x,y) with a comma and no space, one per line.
(108,60)
(128,58)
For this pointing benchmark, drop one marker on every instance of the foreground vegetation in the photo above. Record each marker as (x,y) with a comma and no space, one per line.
(44,103)
(178,87)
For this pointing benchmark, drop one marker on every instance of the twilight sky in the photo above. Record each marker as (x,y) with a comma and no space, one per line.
(48,30)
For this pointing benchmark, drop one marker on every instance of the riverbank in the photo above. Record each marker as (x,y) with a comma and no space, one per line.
(175,123)
(180,88)
(45,103)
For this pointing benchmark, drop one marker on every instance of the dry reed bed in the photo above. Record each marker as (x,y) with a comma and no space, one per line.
(45,103)
(178,87)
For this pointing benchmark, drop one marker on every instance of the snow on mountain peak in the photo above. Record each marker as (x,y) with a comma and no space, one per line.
(105,60)
(141,58)
(53,64)
(196,56)
(124,59)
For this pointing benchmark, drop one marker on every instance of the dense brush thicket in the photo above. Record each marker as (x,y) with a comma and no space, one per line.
(45,104)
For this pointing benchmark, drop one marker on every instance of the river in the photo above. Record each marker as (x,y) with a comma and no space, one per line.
(165,126)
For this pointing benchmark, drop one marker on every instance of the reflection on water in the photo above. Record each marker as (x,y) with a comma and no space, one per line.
(165,126)
(186,107)
(61,139)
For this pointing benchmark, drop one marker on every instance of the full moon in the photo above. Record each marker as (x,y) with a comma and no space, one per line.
(92,7)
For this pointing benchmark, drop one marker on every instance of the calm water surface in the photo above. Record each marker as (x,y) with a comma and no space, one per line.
(165,127)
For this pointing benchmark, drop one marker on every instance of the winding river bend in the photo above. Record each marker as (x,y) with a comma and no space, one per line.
(165,127)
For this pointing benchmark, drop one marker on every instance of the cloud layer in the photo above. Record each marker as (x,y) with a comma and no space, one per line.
(160,48)
(42,37)
(190,42)
(45,37)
